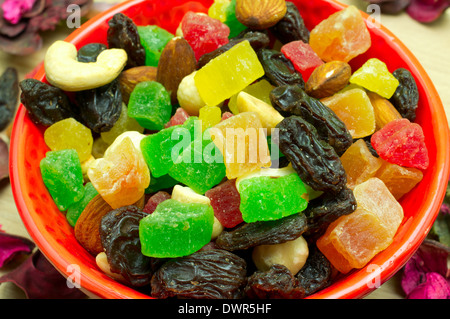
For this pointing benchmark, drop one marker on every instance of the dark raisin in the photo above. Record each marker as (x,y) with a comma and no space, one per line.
(324,210)
(249,235)
(46,104)
(406,96)
(257,39)
(9,95)
(119,233)
(123,34)
(206,274)
(90,52)
(314,160)
(100,107)
(291,27)
(293,100)
(316,274)
(276,283)
(278,69)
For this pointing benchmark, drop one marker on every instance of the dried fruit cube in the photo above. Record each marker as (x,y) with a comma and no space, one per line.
(302,56)
(203,33)
(62,175)
(359,163)
(399,180)
(225,200)
(155,200)
(69,133)
(243,144)
(228,73)
(150,105)
(122,175)
(264,197)
(176,229)
(402,142)
(374,76)
(153,39)
(353,107)
(342,36)
(210,116)
(74,211)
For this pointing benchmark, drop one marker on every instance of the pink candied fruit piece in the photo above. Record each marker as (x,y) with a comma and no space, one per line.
(402,142)
(203,33)
(155,200)
(302,56)
(226,115)
(178,118)
(225,201)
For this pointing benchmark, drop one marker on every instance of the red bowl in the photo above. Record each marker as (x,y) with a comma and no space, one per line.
(55,237)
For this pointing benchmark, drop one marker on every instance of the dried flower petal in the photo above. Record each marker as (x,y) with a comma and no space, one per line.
(13,10)
(427,10)
(37,277)
(434,287)
(431,257)
(11,246)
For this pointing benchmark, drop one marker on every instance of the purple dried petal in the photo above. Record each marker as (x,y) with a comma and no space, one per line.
(434,287)
(4,169)
(431,257)
(12,245)
(37,277)
(391,6)
(427,10)
(24,44)
(12,30)
(37,8)
(13,10)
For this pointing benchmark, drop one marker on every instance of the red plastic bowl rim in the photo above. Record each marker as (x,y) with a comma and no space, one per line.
(355,284)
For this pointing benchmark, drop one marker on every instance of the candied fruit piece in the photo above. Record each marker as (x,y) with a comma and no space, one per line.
(353,240)
(62,175)
(243,144)
(155,200)
(342,36)
(359,163)
(374,76)
(353,107)
(264,197)
(74,211)
(178,118)
(176,229)
(302,56)
(122,175)
(153,39)
(150,105)
(203,33)
(228,73)
(225,201)
(210,116)
(402,142)
(399,180)
(69,133)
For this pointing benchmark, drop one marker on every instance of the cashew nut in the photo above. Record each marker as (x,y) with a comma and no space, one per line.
(292,254)
(64,71)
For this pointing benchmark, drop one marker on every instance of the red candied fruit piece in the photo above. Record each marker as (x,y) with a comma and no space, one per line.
(154,200)
(225,201)
(178,118)
(302,56)
(403,143)
(203,33)
(226,115)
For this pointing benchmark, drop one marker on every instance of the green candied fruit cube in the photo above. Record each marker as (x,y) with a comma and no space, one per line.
(270,194)
(231,20)
(74,211)
(176,229)
(157,148)
(150,105)
(200,166)
(153,39)
(63,177)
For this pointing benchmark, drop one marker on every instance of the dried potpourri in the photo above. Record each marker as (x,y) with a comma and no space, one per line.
(9,94)
(224,257)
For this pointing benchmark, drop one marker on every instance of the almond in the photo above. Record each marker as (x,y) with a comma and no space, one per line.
(328,79)
(177,60)
(260,14)
(129,78)
(87,228)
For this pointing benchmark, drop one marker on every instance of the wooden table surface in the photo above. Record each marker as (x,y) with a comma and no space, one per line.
(430,43)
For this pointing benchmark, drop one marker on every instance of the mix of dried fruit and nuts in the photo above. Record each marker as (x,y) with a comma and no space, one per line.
(337,148)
